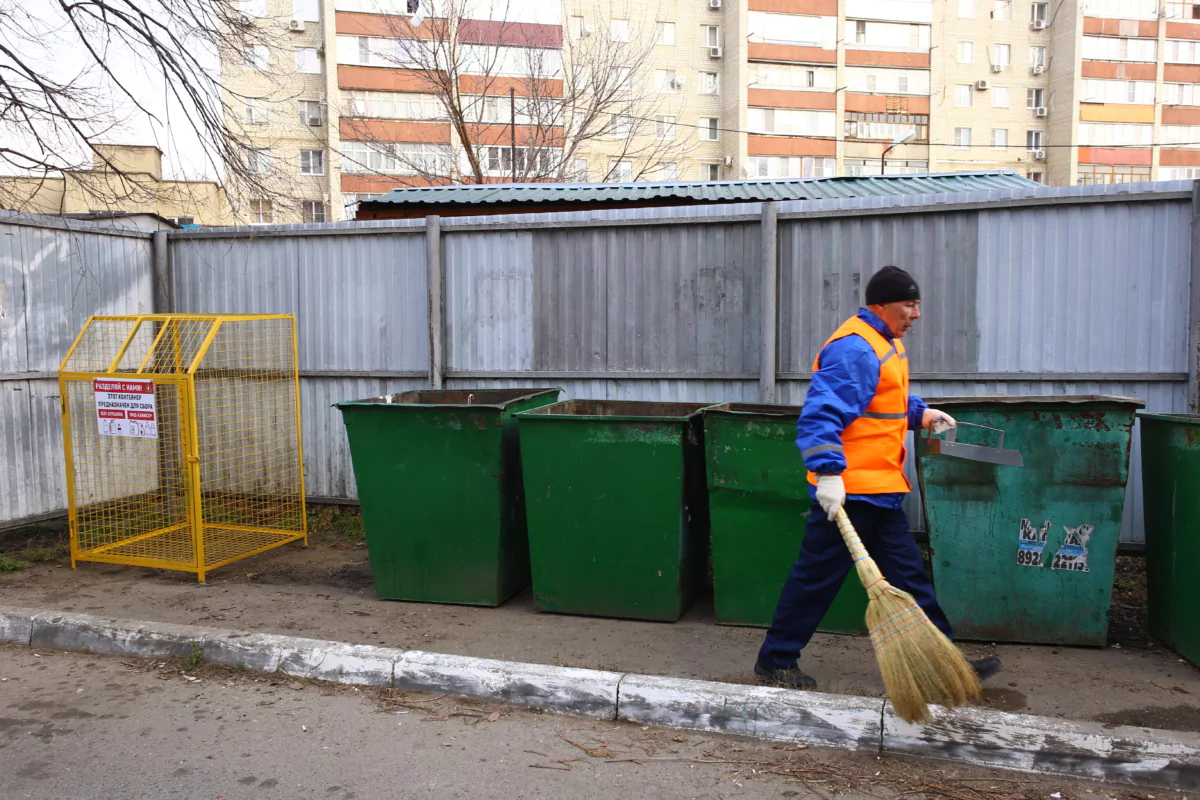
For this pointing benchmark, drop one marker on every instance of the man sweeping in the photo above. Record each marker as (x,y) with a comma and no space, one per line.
(851,437)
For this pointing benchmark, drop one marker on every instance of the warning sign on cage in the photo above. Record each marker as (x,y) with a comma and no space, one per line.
(126,408)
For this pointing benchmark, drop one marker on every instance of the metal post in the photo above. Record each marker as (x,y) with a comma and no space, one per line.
(1193,395)
(162,280)
(770,304)
(433,260)
(512,129)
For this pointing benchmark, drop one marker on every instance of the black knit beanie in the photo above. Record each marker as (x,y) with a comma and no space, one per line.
(891,285)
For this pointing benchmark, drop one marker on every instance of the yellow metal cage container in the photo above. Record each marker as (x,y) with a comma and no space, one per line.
(182,438)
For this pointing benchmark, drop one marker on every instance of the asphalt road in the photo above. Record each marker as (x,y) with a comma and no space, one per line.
(82,726)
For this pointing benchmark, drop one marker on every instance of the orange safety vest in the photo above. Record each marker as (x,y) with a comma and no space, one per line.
(874,443)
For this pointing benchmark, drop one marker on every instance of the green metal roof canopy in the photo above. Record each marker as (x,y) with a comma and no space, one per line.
(706,192)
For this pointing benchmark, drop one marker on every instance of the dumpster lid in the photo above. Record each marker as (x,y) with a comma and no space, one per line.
(1018,399)
(765,409)
(1169,416)
(496,398)
(636,410)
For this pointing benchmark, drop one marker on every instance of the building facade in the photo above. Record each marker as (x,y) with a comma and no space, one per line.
(1077,91)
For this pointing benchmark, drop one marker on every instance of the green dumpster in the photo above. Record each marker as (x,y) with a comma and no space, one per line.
(617,515)
(439,479)
(757,501)
(1171,492)
(1026,554)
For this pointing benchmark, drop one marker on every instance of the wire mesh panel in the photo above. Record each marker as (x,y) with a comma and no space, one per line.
(182,436)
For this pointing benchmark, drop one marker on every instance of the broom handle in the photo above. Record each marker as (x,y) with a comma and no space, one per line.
(850,536)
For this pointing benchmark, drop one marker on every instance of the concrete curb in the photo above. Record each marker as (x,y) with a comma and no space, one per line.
(978,736)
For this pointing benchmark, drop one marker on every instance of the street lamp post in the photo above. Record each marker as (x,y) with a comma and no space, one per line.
(898,140)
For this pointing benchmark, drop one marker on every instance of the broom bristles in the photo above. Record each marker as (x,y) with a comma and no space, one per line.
(919,664)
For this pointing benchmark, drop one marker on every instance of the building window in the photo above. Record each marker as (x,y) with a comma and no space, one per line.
(401,158)
(579,170)
(1179,94)
(709,83)
(1002,55)
(966,52)
(712,36)
(1091,174)
(872,82)
(1178,173)
(1037,176)
(664,128)
(962,95)
(622,171)
(999,96)
(1035,98)
(664,81)
(312,162)
(710,172)
(792,122)
(962,138)
(261,212)
(618,30)
(665,33)
(1188,9)
(624,79)
(253,8)
(790,167)
(1034,140)
(364,50)
(305,10)
(1038,12)
(575,26)
(257,57)
(999,138)
(861,167)
(497,161)
(622,127)
(860,32)
(1037,57)
(668,172)
(885,127)
(1115,48)
(710,130)
(902,84)
(1002,10)
(256,112)
(313,211)
(310,113)
(966,9)
(258,161)
(307,60)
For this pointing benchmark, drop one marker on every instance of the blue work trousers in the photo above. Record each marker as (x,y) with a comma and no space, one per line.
(823,564)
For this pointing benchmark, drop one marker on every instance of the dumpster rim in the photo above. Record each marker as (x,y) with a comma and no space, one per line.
(1178,418)
(541,413)
(726,410)
(1007,399)
(369,402)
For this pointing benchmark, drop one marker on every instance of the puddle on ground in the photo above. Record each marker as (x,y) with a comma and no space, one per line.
(1172,718)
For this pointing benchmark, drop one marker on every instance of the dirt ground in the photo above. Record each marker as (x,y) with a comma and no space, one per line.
(326,592)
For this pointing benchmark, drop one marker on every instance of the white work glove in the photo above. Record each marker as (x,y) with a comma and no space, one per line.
(937,421)
(831,493)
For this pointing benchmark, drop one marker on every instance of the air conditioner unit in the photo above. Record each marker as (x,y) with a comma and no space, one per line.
(1038,69)
(314,122)
(982,86)
(729,161)
(1039,155)
(677,82)
(716,52)
(714,3)
(296,25)
(1041,111)
(588,30)
(1040,24)
(997,67)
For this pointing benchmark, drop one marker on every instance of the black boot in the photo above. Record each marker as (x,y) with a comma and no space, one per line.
(788,677)
(986,667)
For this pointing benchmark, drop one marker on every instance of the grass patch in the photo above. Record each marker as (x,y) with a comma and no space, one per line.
(338,525)
(43,553)
(11,564)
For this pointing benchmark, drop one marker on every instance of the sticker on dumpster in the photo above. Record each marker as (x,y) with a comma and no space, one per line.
(126,408)
(1030,543)
(1073,555)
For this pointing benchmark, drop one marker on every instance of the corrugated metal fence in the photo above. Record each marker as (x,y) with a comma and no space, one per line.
(1032,292)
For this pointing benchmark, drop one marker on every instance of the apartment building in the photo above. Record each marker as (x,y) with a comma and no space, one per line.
(1077,91)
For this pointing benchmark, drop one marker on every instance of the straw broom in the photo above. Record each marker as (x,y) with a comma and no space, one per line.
(918,663)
